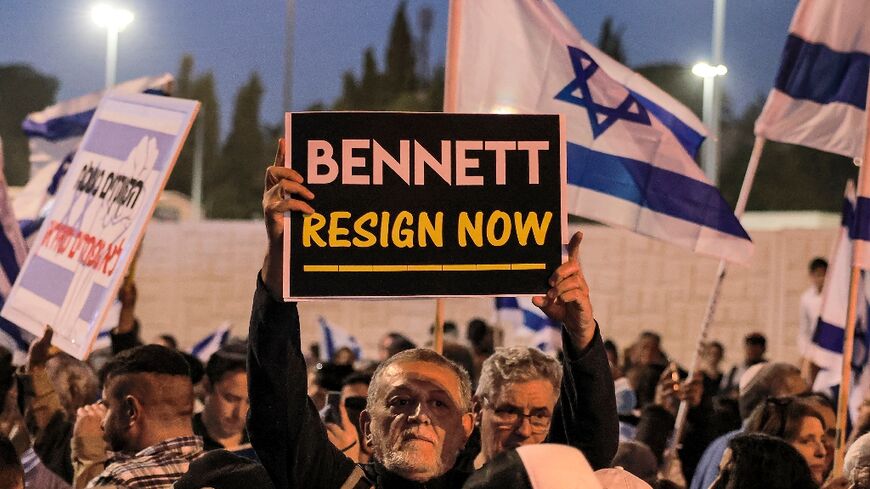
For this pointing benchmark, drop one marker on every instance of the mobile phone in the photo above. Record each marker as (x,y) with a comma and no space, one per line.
(331,412)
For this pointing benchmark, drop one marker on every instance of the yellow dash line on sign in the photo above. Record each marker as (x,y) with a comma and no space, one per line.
(482,267)
(320,268)
(424,268)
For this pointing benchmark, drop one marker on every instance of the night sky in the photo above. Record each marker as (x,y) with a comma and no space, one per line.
(233,38)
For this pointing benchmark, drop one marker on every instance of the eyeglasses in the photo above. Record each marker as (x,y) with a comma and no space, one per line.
(508,416)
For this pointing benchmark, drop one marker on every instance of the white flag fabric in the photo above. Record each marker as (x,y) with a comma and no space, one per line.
(334,338)
(820,92)
(826,350)
(54,135)
(205,348)
(530,323)
(12,254)
(631,147)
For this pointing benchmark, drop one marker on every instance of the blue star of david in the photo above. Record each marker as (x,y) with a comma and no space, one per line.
(629,109)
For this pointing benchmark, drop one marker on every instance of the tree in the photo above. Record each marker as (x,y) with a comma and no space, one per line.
(201,88)
(400,74)
(789,177)
(236,189)
(22,90)
(610,40)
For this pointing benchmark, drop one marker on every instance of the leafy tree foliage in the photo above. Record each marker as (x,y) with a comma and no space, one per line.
(22,90)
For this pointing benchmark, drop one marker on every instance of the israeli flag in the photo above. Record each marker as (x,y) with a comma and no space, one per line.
(531,325)
(54,135)
(206,347)
(631,147)
(826,350)
(13,251)
(820,92)
(333,338)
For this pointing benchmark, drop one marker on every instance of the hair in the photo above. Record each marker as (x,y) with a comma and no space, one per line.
(421,355)
(7,372)
(760,461)
(170,340)
(399,343)
(11,470)
(856,466)
(718,345)
(477,330)
(772,380)
(146,359)
(516,364)
(357,378)
(781,417)
(653,336)
(817,263)
(756,339)
(75,382)
(231,357)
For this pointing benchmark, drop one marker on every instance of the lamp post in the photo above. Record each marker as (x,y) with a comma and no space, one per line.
(114,20)
(710,112)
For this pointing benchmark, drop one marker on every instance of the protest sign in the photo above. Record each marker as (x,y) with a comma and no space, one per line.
(424,204)
(73,271)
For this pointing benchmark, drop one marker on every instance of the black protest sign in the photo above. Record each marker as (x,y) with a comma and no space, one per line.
(424,204)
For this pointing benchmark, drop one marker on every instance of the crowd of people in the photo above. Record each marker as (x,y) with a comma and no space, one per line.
(260,413)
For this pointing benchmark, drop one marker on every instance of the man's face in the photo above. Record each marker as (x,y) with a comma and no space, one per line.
(227,404)
(817,277)
(417,424)
(519,414)
(648,350)
(116,422)
(753,353)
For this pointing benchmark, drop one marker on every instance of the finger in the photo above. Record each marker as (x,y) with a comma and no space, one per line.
(571,296)
(276,173)
(295,189)
(49,333)
(334,430)
(541,301)
(570,283)
(290,205)
(564,271)
(574,247)
(279,154)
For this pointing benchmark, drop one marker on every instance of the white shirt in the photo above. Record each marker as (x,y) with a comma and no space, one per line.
(811,306)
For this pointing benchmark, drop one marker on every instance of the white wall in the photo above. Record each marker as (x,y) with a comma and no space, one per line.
(192,276)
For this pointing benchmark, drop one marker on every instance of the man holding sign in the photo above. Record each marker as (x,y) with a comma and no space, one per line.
(418,415)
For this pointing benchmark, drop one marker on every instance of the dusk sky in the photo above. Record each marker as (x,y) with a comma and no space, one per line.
(234,38)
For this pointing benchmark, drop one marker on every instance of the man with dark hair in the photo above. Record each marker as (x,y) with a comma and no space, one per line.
(148,403)
(418,414)
(754,348)
(810,308)
(221,424)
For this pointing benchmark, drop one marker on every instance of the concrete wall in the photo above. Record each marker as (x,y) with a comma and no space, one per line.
(192,276)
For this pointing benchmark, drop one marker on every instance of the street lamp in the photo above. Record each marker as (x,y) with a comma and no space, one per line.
(114,20)
(710,112)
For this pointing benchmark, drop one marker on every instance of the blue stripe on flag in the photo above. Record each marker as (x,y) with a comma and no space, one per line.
(829,336)
(861,220)
(530,319)
(327,336)
(656,189)
(63,127)
(7,258)
(818,73)
(689,138)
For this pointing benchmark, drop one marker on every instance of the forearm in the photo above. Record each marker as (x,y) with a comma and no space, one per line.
(89,456)
(586,413)
(284,428)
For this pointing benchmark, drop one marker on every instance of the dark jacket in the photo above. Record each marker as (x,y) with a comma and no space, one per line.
(291,442)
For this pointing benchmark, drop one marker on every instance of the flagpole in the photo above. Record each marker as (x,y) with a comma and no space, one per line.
(852,311)
(748,179)
(450,104)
